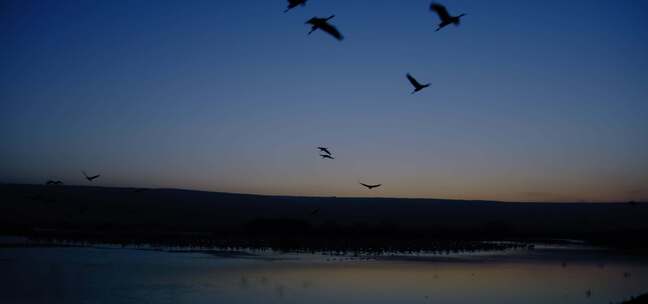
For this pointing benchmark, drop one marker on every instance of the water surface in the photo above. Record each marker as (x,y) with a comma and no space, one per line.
(104,275)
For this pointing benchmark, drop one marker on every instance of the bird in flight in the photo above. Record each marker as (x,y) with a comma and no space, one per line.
(314,211)
(54,182)
(324,25)
(445,17)
(324,150)
(90,178)
(326,156)
(294,3)
(417,85)
(371,186)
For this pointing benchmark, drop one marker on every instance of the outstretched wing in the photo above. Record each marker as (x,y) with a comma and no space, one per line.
(368,186)
(413,81)
(96,176)
(294,3)
(441,11)
(331,30)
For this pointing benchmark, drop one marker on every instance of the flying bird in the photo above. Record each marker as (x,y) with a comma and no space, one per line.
(90,178)
(326,156)
(371,186)
(54,182)
(417,85)
(294,3)
(324,150)
(324,25)
(445,17)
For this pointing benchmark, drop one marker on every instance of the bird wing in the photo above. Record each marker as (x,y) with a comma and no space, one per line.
(441,11)
(84,174)
(413,81)
(325,150)
(96,176)
(331,30)
(368,186)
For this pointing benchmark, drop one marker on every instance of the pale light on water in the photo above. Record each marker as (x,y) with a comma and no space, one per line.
(91,275)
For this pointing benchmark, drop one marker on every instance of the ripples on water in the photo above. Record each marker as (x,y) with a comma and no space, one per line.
(558,274)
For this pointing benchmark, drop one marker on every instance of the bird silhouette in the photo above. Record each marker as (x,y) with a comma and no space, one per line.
(445,17)
(324,150)
(294,3)
(90,178)
(417,85)
(370,186)
(326,156)
(324,25)
(54,182)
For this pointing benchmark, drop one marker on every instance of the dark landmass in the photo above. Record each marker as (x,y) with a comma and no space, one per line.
(642,299)
(210,219)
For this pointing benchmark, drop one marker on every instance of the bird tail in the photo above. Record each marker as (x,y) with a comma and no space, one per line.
(458,21)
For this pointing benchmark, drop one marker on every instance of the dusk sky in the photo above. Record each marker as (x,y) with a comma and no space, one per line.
(530,100)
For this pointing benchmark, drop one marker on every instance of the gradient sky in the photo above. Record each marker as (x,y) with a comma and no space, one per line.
(530,100)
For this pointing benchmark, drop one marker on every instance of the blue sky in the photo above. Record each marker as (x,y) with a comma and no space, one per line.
(530,100)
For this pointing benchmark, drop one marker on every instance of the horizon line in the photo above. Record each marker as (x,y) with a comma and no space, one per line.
(331,196)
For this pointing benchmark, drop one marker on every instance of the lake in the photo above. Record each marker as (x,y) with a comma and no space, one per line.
(546,274)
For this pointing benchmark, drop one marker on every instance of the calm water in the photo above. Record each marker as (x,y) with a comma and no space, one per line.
(95,275)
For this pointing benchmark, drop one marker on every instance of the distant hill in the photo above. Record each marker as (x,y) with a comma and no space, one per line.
(35,208)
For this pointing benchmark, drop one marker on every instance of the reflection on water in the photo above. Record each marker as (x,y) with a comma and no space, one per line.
(544,275)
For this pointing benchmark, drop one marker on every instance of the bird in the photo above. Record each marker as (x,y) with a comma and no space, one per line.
(445,17)
(370,186)
(326,156)
(417,85)
(324,25)
(54,182)
(90,178)
(294,3)
(324,150)
(314,211)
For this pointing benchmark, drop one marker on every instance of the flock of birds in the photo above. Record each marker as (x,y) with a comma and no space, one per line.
(324,25)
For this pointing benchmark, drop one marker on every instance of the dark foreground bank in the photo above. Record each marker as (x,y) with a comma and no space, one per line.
(208,219)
